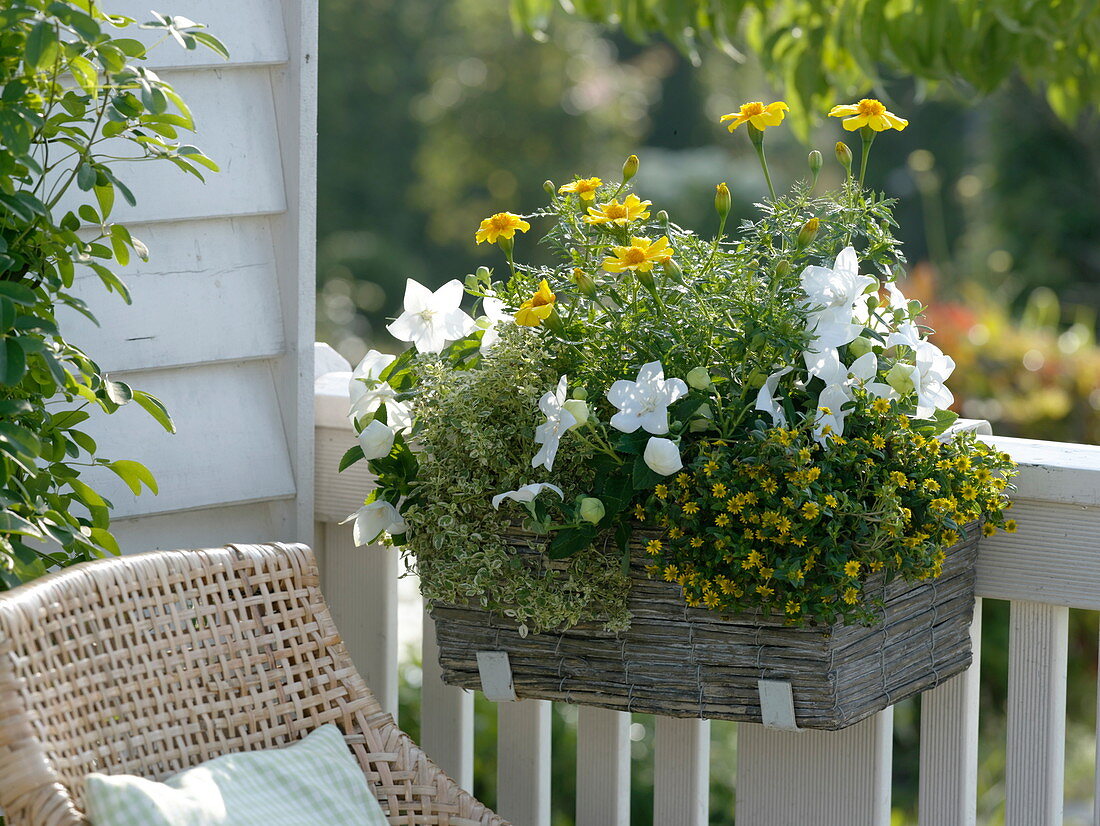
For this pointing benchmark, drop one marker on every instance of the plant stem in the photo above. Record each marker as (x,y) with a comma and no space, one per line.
(867,136)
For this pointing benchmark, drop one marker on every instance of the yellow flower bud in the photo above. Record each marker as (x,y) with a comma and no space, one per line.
(808,233)
(630,168)
(722,200)
(673,271)
(844,156)
(815,161)
(585,283)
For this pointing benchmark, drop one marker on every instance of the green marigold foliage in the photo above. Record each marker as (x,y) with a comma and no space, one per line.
(69,85)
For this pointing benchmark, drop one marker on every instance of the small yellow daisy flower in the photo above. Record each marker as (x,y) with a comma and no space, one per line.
(661,491)
(880,406)
(696,542)
(793,607)
(630,210)
(502,225)
(585,187)
(764,591)
(1010,526)
(653,547)
(641,255)
(851,596)
(811,510)
(757,114)
(851,567)
(868,112)
(690,508)
(537,308)
(639,513)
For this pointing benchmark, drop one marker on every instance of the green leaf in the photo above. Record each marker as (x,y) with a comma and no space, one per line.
(568,541)
(105,539)
(86,494)
(14,523)
(105,196)
(353,455)
(133,474)
(85,178)
(118,392)
(19,439)
(211,43)
(41,46)
(85,74)
(13,361)
(154,407)
(7,315)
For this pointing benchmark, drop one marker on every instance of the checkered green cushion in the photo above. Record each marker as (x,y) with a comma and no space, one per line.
(315,782)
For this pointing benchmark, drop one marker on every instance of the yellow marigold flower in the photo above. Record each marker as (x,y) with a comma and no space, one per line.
(639,513)
(793,607)
(1010,526)
(949,538)
(537,308)
(696,542)
(831,500)
(851,596)
(641,255)
(630,210)
(851,567)
(931,485)
(877,441)
(711,599)
(690,508)
(670,573)
(502,225)
(757,114)
(722,520)
(868,112)
(661,491)
(764,591)
(653,547)
(880,406)
(585,187)
(811,510)
(718,489)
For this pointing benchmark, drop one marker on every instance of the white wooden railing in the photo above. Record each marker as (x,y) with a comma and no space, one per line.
(783,778)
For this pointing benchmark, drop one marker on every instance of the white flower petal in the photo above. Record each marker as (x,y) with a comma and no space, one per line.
(374,519)
(526,493)
(376,440)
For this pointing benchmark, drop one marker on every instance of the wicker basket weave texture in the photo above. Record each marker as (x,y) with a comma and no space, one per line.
(683,662)
(153,663)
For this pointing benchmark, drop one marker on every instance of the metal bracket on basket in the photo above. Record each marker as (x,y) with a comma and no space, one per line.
(496,676)
(776,705)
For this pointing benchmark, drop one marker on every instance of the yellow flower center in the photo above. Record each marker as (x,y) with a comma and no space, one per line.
(615,211)
(634,255)
(751,110)
(501,222)
(870,107)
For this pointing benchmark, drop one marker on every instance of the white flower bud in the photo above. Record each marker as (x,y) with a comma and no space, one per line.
(592,510)
(579,409)
(900,378)
(662,456)
(699,378)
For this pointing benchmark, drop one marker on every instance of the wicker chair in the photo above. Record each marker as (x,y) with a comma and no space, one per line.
(152,663)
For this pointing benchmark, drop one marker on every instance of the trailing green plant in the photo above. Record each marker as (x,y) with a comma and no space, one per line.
(77,105)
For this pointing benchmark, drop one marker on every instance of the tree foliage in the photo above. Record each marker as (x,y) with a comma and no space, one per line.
(826,51)
(76,104)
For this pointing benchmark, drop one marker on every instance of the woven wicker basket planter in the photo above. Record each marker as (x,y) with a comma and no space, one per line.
(682,662)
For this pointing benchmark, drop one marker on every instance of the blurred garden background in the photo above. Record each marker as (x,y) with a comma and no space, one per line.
(436,113)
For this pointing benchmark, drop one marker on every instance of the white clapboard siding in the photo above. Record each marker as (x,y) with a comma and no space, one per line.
(206,463)
(219,275)
(824,778)
(252,31)
(206,528)
(222,324)
(235,120)
(1035,747)
(949,744)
